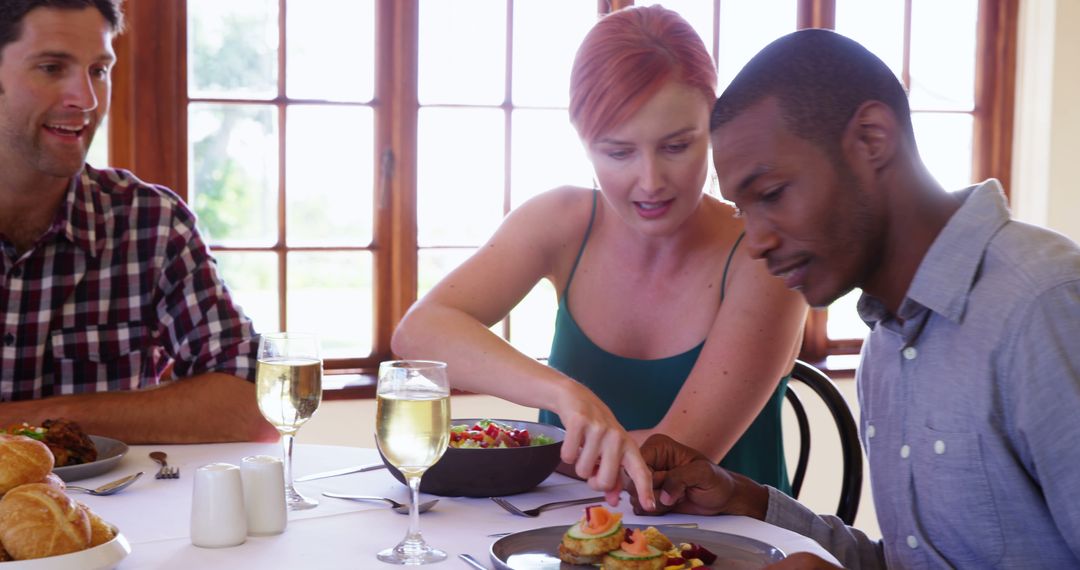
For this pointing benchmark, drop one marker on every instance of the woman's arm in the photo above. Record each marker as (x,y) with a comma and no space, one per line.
(752,344)
(451,323)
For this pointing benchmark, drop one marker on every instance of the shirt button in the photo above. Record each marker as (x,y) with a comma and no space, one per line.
(9,339)
(905,451)
(870,431)
(910,353)
(939,447)
(912,542)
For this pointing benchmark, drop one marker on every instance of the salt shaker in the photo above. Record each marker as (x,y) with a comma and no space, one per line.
(264,494)
(218,517)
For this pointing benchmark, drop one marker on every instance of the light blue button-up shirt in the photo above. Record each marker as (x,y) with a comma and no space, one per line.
(971,404)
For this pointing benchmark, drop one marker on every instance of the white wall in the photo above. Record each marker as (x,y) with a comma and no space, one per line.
(1047,133)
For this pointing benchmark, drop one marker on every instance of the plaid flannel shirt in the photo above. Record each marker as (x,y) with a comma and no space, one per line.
(118,287)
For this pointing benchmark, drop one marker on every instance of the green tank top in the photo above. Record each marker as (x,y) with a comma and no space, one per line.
(640,392)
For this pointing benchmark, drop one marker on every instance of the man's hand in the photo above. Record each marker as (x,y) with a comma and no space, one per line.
(661,453)
(689,483)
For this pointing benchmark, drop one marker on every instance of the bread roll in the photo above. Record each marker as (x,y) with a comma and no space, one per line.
(100,531)
(4,555)
(22,460)
(54,480)
(37,520)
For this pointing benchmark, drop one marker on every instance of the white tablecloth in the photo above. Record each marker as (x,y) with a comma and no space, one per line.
(154,515)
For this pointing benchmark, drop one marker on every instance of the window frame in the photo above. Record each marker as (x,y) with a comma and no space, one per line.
(148,134)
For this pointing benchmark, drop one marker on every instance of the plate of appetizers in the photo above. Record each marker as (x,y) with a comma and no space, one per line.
(612,546)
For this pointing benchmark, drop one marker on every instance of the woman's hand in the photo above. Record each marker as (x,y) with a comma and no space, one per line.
(599,448)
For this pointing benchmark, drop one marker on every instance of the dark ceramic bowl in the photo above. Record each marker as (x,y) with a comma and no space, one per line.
(474,472)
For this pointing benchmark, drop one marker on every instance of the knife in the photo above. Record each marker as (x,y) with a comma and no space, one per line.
(343,471)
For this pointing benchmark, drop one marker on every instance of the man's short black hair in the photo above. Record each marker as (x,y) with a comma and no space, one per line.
(12,13)
(819,78)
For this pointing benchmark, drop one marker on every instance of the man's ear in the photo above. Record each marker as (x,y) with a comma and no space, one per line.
(872,135)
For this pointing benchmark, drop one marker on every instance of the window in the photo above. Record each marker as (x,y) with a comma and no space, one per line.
(493,133)
(280,140)
(344,155)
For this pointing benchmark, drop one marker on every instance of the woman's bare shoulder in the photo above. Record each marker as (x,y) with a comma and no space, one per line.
(549,226)
(722,217)
(558,210)
(561,197)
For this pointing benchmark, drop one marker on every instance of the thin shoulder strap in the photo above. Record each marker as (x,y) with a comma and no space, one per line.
(731,255)
(584,240)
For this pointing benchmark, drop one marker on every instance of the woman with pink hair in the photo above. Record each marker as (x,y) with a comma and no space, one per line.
(665,325)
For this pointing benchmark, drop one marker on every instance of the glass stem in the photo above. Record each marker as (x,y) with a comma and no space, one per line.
(414,536)
(287,444)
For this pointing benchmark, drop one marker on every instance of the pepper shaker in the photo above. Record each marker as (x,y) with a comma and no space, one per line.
(218,517)
(264,494)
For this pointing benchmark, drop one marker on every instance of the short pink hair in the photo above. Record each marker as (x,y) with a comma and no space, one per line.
(626,58)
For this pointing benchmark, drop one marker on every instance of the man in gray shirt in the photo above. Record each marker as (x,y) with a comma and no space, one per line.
(969,383)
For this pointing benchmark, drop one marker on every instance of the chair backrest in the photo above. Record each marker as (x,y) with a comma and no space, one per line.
(851,485)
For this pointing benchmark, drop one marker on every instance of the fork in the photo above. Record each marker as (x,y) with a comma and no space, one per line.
(535,512)
(165,472)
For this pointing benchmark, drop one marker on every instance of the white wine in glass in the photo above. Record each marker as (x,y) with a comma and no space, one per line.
(412,429)
(288,387)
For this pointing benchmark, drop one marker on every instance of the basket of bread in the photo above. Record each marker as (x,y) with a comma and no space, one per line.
(37,517)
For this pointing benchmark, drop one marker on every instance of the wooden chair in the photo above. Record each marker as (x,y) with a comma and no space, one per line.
(851,485)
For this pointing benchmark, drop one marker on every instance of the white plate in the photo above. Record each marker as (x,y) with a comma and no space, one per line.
(537,549)
(110,452)
(103,557)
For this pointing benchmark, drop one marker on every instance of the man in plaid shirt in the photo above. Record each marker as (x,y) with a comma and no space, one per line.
(104,279)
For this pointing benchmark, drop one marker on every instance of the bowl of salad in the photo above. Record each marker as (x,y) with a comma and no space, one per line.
(492,458)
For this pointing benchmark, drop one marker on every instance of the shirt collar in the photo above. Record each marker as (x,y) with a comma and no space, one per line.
(83,216)
(949,269)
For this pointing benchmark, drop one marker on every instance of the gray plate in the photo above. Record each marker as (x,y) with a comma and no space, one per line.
(110,452)
(537,549)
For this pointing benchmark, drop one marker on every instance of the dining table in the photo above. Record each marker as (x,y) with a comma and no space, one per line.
(153,515)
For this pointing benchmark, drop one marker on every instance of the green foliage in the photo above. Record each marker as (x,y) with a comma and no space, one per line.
(226,195)
(230,59)
(236,60)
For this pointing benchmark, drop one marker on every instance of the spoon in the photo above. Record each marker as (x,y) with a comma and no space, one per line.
(109,488)
(394,505)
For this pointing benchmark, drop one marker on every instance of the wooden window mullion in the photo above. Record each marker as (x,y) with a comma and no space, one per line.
(816,14)
(148,116)
(399,283)
(280,246)
(995,81)
(816,344)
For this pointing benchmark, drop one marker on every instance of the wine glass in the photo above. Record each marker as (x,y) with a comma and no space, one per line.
(412,429)
(288,386)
